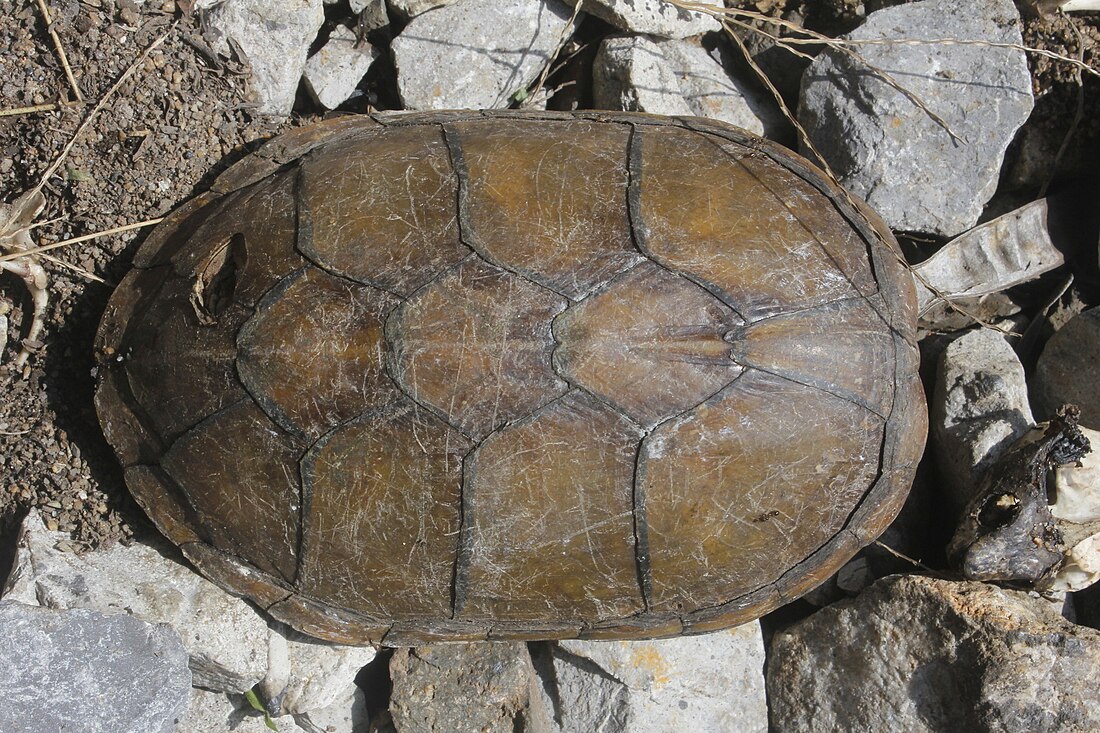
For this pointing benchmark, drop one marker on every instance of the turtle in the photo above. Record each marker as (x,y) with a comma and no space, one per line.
(455,376)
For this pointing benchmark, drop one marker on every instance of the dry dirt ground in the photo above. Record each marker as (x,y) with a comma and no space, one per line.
(181,118)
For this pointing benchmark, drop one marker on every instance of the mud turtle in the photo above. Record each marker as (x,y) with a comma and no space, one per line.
(459,376)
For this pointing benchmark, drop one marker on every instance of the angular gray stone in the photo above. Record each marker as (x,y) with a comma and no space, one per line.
(672,77)
(226,638)
(891,153)
(979,408)
(1069,369)
(631,73)
(275,37)
(653,17)
(923,655)
(476,54)
(481,687)
(713,682)
(81,670)
(332,74)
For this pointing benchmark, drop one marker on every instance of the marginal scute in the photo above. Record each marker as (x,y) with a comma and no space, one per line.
(652,343)
(258,228)
(475,346)
(314,353)
(748,485)
(258,520)
(382,210)
(383,499)
(553,491)
(548,199)
(758,254)
(180,369)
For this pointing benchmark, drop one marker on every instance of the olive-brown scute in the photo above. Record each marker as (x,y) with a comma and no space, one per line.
(458,376)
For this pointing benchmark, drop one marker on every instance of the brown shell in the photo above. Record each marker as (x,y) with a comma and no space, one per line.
(458,376)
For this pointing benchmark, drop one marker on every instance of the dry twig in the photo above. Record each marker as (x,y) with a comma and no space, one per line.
(60,50)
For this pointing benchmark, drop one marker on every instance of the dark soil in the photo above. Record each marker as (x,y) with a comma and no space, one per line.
(182,118)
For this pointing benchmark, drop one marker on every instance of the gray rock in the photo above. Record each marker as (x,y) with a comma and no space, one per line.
(672,77)
(333,73)
(226,639)
(1068,369)
(476,54)
(305,674)
(995,256)
(406,9)
(921,655)
(631,73)
(481,687)
(887,150)
(275,38)
(81,670)
(653,17)
(713,682)
(979,408)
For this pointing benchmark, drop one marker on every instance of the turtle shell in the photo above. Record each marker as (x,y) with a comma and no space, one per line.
(459,376)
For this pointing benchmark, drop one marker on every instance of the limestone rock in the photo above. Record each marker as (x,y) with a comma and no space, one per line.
(712,682)
(924,655)
(979,408)
(225,637)
(476,54)
(81,670)
(886,149)
(332,74)
(275,38)
(653,17)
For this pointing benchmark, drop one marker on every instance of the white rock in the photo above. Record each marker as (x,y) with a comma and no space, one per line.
(886,149)
(476,54)
(979,408)
(304,674)
(275,37)
(1077,502)
(653,17)
(225,638)
(671,77)
(332,73)
(346,714)
(1006,251)
(712,682)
